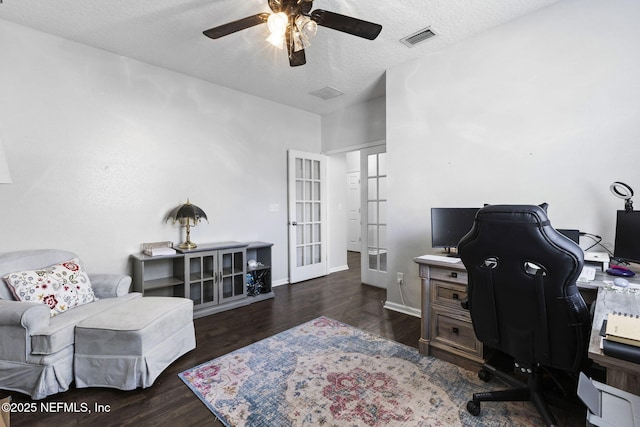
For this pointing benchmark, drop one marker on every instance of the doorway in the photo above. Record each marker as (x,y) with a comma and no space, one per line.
(365,198)
(374,248)
(353,201)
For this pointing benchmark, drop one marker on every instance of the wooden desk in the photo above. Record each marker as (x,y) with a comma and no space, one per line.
(447,331)
(620,373)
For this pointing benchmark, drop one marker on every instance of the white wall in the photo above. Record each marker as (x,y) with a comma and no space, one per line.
(337,211)
(354,126)
(101,147)
(543,109)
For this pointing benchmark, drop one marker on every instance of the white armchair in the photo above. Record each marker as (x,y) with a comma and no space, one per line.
(37,351)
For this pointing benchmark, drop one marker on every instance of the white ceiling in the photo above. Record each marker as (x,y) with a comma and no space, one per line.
(168,33)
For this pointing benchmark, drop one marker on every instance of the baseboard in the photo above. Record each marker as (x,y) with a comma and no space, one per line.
(402,309)
(340,268)
(279,282)
(286,281)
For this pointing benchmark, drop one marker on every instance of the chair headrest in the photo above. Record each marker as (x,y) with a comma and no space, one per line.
(525,214)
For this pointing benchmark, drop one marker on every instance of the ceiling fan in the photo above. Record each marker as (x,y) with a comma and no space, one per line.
(293,24)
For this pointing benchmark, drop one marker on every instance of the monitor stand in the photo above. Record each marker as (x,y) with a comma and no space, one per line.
(451,252)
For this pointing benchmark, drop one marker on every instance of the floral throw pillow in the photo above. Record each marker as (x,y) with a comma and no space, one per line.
(60,286)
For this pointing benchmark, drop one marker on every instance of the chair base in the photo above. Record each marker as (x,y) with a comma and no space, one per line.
(530,391)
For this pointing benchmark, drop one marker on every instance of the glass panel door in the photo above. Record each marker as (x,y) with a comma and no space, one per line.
(374,223)
(307,251)
(232,266)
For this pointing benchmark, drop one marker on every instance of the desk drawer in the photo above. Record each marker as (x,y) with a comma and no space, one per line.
(449,275)
(448,294)
(455,331)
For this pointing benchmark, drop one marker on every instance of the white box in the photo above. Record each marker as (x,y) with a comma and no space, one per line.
(608,406)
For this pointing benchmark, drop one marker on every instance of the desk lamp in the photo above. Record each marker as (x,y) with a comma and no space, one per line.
(188,215)
(623,191)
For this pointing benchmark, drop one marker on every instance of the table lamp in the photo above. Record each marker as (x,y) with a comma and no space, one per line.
(188,215)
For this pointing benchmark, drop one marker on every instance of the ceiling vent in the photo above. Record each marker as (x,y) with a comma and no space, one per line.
(326,92)
(419,37)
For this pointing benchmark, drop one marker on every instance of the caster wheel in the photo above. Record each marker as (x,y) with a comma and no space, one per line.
(484,375)
(473,408)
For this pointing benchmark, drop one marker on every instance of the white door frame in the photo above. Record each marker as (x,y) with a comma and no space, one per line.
(307,205)
(354,225)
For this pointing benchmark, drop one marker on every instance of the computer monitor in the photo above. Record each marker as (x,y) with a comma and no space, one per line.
(570,233)
(627,243)
(449,225)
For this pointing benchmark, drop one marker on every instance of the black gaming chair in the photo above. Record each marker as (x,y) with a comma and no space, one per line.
(523,298)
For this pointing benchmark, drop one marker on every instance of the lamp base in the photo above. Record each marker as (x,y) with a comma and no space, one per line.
(187,245)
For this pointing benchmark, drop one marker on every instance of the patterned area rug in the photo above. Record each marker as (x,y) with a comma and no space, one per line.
(327,373)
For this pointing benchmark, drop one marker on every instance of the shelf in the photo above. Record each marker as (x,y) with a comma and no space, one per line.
(195,277)
(164,282)
(166,292)
(212,247)
(213,276)
(144,257)
(228,272)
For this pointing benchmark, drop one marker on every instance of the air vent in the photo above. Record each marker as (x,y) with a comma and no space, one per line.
(419,37)
(326,92)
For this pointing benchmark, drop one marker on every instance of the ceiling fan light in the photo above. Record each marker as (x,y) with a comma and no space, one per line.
(276,40)
(300,41)
(306,26)
(277,23)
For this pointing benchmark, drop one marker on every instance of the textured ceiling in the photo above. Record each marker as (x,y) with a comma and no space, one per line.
(168,33)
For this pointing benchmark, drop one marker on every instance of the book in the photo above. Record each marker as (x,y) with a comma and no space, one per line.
(623,328)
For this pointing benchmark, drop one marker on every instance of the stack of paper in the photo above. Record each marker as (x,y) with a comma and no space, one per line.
(158,248)
(622,337)
(161,251)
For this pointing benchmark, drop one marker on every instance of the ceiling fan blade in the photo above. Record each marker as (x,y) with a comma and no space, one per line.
(346,24)
(232,27)
(295,58)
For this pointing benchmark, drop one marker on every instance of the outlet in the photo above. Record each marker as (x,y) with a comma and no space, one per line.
(399,278)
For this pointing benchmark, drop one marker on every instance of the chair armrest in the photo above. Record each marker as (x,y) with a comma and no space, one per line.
(32,316)
(18,321)
(110,285)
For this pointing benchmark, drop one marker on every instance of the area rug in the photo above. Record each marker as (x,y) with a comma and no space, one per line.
(327,373)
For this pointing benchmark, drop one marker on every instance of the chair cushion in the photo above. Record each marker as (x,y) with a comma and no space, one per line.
(60,286)
(60,332)
(133,328)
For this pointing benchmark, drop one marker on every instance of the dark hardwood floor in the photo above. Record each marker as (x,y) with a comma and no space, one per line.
(169,402)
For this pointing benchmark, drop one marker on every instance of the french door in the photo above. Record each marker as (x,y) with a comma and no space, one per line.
(354,224)
(373,170)
(307,216)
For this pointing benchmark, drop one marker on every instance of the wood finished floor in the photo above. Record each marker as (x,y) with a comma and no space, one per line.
(169,402)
